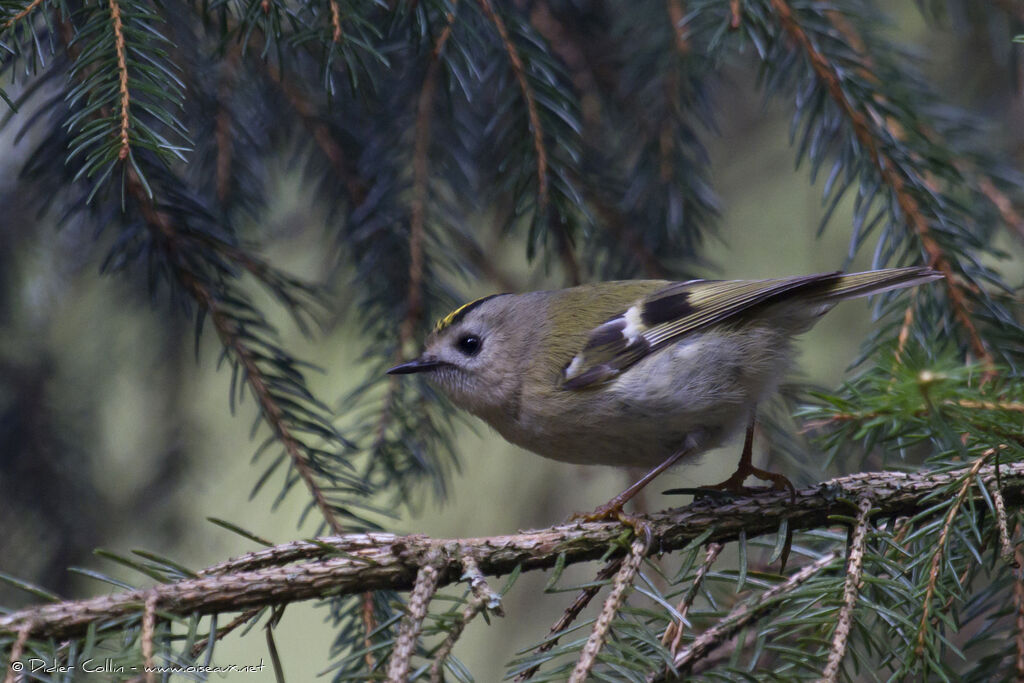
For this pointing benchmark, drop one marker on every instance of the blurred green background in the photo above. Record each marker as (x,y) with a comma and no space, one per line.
(165,452)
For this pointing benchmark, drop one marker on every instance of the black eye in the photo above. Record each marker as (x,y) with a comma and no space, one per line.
(469,344)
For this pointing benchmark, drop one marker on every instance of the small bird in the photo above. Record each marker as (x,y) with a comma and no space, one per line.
(634,372)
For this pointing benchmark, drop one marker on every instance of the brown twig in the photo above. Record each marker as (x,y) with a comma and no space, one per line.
(473,608)
(940,546)
(369,626)
(735,14)
(335,21)
(571,612)
(223,123)
(148,632)
(354,186)
(904,335)
(122,72)
(673,635)
(243,618)
(17,650)
(676,14)
(1006,547)
(21,15)
(408,634)
(565,251)
(890,173)
(483,599)
(745,613)
(355,563)
(622,583)
(854,565)
(420,174)
(1011,216)
(1018,608)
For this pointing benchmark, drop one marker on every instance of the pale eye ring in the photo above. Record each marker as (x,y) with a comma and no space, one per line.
(469,344)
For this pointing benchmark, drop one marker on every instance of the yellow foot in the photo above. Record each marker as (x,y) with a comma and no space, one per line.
(612,510)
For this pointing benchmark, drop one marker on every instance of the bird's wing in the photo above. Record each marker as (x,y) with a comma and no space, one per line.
(665,316)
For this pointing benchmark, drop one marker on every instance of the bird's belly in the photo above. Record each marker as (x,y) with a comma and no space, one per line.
(704,388)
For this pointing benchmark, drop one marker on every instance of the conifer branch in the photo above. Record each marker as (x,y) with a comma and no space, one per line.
(564,242)
(163,228)
(890,172)
(418,208)
(519,70)
(1002,521)
(335,21)
(408,635)
(854,565)
(242,619)
(1018,608)
(745,614)
(21,14)
(676,14)
(122,77)
(329,147)
(147,635)
(571,612)
(672,637)
(355,563)
(623,581)
(17,650)
(483,599)
(940,547)
(222,128)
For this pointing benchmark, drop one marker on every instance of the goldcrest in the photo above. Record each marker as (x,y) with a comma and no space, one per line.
(628,373)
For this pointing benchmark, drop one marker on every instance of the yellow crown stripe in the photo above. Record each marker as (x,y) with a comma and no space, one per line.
(459,312)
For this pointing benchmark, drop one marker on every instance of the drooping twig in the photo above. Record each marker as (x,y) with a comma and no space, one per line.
(147,635)
(332,150)
(940,547)
(335,21)
(420,178)
(1018,608)
(21,15)
(854,566)
(223,137)
(904,335)
(571,612)
(242,619)
(122,77)
(673,635)
(419,602)
(161,225)
(676,14)
(355,563)
(1006,548)
(564,244)
(622,583)
(483,599)
(745,613)
(17,650)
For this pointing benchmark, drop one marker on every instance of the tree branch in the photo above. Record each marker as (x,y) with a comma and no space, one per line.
(359,562)
(21,15)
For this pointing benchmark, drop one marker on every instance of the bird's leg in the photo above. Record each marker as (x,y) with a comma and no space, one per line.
(613,508)
(746,468)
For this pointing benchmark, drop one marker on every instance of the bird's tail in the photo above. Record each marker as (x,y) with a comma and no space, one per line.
(852,285)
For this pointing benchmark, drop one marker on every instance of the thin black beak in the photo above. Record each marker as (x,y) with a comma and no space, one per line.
(415,365)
